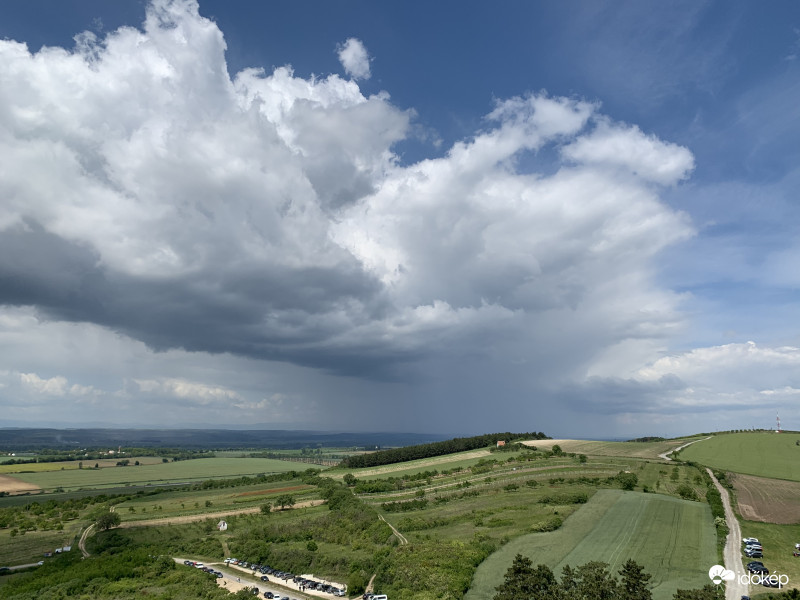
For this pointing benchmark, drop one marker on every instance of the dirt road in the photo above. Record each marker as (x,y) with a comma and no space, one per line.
(666,454)
(400,536)
(733,546)
(82,542)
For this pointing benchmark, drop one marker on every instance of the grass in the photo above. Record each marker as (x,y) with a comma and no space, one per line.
(622,449)
(180,503)
(181,471)
(764,454)
(30,547)
(68,465)
(673,539)
(778,542)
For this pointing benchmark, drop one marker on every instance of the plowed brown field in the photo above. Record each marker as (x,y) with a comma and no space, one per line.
(12,485)
(767,500)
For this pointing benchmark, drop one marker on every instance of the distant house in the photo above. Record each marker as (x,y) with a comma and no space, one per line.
(64,549)
(501,443)
(222,526)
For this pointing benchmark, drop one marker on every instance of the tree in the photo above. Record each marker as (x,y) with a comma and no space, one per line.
(285,500)
(107,520)
(266,508)
(556,449)
(311,546)
(634,581)
(595,582)
(349,479)
(707,592)
(523,580)
(627,480)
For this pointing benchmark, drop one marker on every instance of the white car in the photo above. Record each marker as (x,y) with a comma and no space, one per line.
(750,540)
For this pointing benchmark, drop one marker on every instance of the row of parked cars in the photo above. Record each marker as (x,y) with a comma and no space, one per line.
(267,571)
(753,549)
(202,567)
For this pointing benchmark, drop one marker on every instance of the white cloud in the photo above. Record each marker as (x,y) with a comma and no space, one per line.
(612,145)
(165,204)
(190,390)
(354,58)
(54,386)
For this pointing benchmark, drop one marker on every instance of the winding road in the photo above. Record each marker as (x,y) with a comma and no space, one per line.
(734,590)
(666,454)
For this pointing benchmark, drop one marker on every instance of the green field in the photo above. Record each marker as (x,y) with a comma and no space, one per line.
(766,454)
(29,548)
(65,465)
(192,502)
(673,539)
(778,542)
(623,449)
(181,471)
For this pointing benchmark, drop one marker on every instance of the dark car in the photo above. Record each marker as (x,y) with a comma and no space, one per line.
(270,595)
(755,554)
(758,569)
(264,578)
(770,582)
(255,591)
(755,562)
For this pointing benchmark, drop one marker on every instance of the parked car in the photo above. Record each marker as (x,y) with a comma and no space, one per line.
(264,578)
(754,554)
(759,569)
(750,540)
(270,595)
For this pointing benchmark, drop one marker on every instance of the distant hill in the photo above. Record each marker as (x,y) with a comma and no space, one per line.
(15,440)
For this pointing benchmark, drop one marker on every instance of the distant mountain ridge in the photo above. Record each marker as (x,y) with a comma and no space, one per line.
(20,439)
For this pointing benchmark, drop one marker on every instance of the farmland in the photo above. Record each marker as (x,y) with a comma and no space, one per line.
(155,474)
(66,465)
(767,500)
(764,454)
(673,539)
(452,513)
(647,450)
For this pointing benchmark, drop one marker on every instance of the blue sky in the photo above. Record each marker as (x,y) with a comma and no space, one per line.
(577,218)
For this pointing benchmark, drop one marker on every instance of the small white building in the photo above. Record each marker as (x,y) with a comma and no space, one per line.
(222,526)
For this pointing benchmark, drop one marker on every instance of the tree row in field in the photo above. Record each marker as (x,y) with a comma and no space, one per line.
(397,455)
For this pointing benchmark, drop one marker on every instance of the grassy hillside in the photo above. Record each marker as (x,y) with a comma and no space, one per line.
(649,450)
(764,454)
(673,539)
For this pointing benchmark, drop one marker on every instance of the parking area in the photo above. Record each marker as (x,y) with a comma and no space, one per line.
(235,577)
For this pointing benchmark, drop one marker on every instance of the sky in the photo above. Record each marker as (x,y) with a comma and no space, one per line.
(454,217)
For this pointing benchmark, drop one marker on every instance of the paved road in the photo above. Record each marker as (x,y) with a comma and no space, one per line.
(733,546)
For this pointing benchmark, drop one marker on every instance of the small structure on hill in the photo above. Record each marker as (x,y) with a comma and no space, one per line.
(501,443)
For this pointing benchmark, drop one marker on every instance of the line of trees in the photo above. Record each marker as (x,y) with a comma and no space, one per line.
(589,581)
(396,455)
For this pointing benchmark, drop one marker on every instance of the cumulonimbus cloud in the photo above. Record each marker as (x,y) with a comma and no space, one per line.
(149,191)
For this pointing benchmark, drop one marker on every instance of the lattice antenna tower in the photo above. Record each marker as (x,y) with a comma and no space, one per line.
(777,423)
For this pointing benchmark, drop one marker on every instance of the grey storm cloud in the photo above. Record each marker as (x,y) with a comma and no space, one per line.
(147,190)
